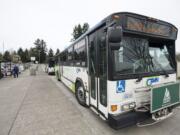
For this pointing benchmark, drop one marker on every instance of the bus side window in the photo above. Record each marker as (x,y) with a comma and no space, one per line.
(63,57)
(92,65)
(80,53)
(92,60)
(70,56)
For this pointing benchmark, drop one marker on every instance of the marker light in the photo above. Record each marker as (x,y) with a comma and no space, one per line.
(115,17)
(152,19)
(113,108)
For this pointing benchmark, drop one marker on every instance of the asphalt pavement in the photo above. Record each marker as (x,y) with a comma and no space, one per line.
(41,105)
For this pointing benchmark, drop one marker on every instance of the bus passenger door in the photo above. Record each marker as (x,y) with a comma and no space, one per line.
(93,80)
(102,72)
(98,72)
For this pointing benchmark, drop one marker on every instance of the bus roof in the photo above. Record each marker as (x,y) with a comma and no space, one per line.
(143,16)
(104,21)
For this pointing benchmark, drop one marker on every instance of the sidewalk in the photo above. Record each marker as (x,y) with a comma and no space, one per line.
(12,94)
(40,109)
(40,105)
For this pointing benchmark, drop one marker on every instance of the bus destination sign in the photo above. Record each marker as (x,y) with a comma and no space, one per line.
(142,25)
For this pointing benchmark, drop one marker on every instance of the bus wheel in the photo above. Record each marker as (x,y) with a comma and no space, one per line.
(80,94)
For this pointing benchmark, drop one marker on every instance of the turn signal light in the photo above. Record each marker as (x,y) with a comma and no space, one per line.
(113,108)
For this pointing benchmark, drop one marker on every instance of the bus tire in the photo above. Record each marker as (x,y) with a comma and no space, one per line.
(80,94)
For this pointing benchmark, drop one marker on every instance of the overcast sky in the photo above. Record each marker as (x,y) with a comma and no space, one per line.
(23,21)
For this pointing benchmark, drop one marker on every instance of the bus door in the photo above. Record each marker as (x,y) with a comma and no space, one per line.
(92,62)
(98,72)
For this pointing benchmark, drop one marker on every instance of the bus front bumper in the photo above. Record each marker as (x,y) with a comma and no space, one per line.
(127,119)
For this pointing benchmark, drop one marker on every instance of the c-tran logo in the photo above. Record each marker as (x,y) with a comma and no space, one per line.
(152,81)
(167,97)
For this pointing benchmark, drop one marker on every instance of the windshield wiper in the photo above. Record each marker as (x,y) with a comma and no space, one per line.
(139,78)
(93,67)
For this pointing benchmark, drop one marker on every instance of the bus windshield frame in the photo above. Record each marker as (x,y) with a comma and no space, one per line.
(143,57)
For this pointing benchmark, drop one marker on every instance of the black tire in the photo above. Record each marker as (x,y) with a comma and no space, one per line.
(80,94)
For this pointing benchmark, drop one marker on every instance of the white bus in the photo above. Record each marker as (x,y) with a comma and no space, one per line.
(124,69)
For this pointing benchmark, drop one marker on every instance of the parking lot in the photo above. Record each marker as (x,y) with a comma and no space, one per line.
(40,105)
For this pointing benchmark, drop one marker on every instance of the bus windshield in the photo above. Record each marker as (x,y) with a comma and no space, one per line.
(137,55)
(51,63)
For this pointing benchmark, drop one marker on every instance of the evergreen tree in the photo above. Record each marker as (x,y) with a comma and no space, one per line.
(27,56)
(57,52)
(33,53)
(41,50)
(50,53)
(1,57)
(79,30)
(85,27)
(21,53)
(7,56)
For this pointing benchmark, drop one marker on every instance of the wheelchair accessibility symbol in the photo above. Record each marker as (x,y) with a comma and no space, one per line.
(120,86)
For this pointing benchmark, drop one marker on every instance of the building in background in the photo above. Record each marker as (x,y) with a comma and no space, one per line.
(16,59)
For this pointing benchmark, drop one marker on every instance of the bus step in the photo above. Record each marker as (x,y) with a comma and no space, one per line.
(147,122)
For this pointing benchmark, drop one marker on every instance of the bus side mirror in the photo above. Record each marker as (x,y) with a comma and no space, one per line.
(114,46)
(114,34)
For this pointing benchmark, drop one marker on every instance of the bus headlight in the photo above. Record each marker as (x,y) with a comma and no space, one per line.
(132,105)
(125,107)
(128,106)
